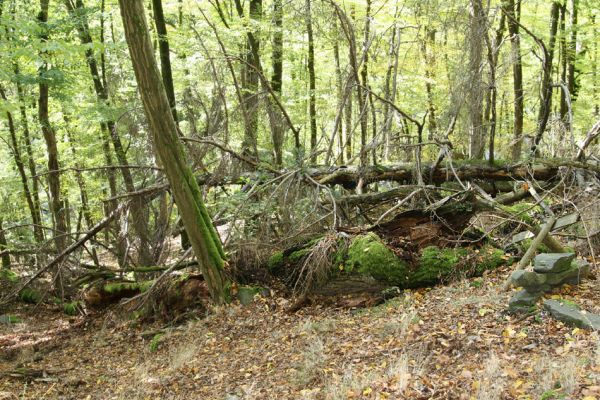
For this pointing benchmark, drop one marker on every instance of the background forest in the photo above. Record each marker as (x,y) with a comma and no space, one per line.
(304,159)
(282,83)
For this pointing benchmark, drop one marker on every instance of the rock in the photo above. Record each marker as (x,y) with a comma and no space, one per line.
(528,280)
(569,314)
(523,300)
(579,270)
(552,262)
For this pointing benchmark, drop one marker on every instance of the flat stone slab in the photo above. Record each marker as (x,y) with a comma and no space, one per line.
(552,262)
(523,301)
(578,271)
(571,315)
(528,279)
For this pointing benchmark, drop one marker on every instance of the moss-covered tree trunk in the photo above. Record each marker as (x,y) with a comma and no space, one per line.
(3,246)
(203,236)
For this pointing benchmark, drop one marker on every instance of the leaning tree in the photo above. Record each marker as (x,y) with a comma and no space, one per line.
(202,234)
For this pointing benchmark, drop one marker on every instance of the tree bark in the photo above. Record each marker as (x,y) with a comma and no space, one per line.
(4,246)
(109,129)
(517,66)
(250,71)
(312,108)
(16,151)
(546,83)
(203,236)
(475,95)
(56,204)
(572,51)
(277,129)
(165,59)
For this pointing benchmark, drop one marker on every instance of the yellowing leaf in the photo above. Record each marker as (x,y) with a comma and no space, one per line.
(367,391)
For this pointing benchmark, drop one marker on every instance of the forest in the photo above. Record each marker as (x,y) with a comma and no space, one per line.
(299,199)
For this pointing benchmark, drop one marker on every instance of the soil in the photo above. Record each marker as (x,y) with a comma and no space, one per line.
(446,342)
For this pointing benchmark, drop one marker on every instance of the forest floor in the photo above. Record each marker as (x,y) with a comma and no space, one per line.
(447,342)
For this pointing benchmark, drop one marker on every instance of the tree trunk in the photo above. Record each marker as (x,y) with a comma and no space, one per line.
(250,71)
(364,76)
(203,236)
(109,129)
(572,51)
(4,246)
(277,130)
(56,204)
(475,94)
(165,60)
(563,64)
(428,55)
(35,189)
(16,150)
(493,49)
(513,29)
(339,90)
(312,108)
(546,84)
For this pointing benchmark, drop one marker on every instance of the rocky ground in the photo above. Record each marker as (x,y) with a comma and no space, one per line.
(448,342)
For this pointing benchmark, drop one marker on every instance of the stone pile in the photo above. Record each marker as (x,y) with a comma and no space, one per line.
(550,270)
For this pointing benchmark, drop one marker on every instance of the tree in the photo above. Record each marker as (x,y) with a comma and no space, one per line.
(202,234)
(514,13)
(56,204)
(312,108)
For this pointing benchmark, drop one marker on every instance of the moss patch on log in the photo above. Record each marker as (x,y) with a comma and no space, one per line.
(29,295)
(8,275)
(368,255)
(435,264)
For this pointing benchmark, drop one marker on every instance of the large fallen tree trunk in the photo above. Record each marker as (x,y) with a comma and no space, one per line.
(348,176)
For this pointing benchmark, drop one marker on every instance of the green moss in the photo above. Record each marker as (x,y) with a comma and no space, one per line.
(155,342)
(368,255)
(9,319)
(298,255)
(71,308)
(525,244)
(436,264)
(8,275)
(246,294)
(116,287)
(570,303)
(490,258)
(30,296)
(275,261)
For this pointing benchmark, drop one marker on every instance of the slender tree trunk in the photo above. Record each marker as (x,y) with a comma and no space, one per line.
(4,246)
(391,86)
(339,89)
(572,50)
(277,129)
(563,64)
(56,204)
(16,150)
(517,66)
(428,55)
(165,59)
(546,84)
(595,72)
(364,75)
(312,107)
(139,211)
(493,49)
(203,236)
(35,187)
(250,77)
